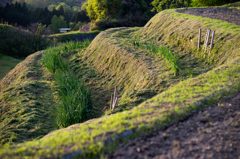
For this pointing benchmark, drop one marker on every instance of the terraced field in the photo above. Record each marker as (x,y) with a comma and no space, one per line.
(161,76)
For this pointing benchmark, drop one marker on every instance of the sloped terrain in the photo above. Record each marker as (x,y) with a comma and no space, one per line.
(212,132)
(120,57)
(25,102)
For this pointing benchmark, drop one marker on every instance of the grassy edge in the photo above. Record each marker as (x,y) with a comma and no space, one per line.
(70,35)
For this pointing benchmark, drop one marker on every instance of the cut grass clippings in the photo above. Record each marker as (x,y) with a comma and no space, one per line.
(170,105)
(25,102)
(91,138)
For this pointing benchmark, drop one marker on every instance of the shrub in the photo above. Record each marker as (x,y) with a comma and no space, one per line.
(19,43)
(131,20)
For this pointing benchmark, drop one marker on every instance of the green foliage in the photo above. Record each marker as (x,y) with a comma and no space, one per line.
(170,58)
(114,8)
(57,23)
(46,3)
(19,14)
(128,21)
(80,16)
(16,14)
(162,51)
(18,43)
(115,13)
(75,98)
(65,7)
(39,41)
(159,5)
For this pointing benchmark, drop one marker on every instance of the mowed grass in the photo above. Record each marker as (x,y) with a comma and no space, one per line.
(111,55)
(7,64)
(25,102)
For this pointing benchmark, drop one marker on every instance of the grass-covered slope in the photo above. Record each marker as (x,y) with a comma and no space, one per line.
(120,57)
(181,31)
(25,101)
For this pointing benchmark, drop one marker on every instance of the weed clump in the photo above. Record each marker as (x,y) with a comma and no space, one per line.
(163,51)
(75,104)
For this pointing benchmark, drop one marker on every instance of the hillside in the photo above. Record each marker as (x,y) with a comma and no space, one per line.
(161,76)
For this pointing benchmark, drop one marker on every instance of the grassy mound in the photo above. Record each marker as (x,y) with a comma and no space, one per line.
(25,101)
(124,57)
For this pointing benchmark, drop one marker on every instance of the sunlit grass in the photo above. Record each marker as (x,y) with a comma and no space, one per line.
(162,51)
(75,98)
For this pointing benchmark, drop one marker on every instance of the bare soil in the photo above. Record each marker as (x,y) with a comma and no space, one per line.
(210,133)
(220,13)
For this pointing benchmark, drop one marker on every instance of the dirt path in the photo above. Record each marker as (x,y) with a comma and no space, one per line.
(221,13)
(211,133)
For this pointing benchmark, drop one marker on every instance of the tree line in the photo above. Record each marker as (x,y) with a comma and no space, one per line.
(103,14)
(19,14)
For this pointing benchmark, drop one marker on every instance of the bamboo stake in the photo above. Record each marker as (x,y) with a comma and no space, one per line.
(211,46)
(199,38)
(209,32)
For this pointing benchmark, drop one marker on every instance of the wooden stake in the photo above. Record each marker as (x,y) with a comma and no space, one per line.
(209,32)
(206,37)
(115,98)
(199,38)
(111,102)
(211,46)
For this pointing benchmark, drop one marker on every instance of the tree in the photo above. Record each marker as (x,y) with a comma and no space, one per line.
(57,23)
(159,5)
(80,16)
(102,9)
(61,11)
